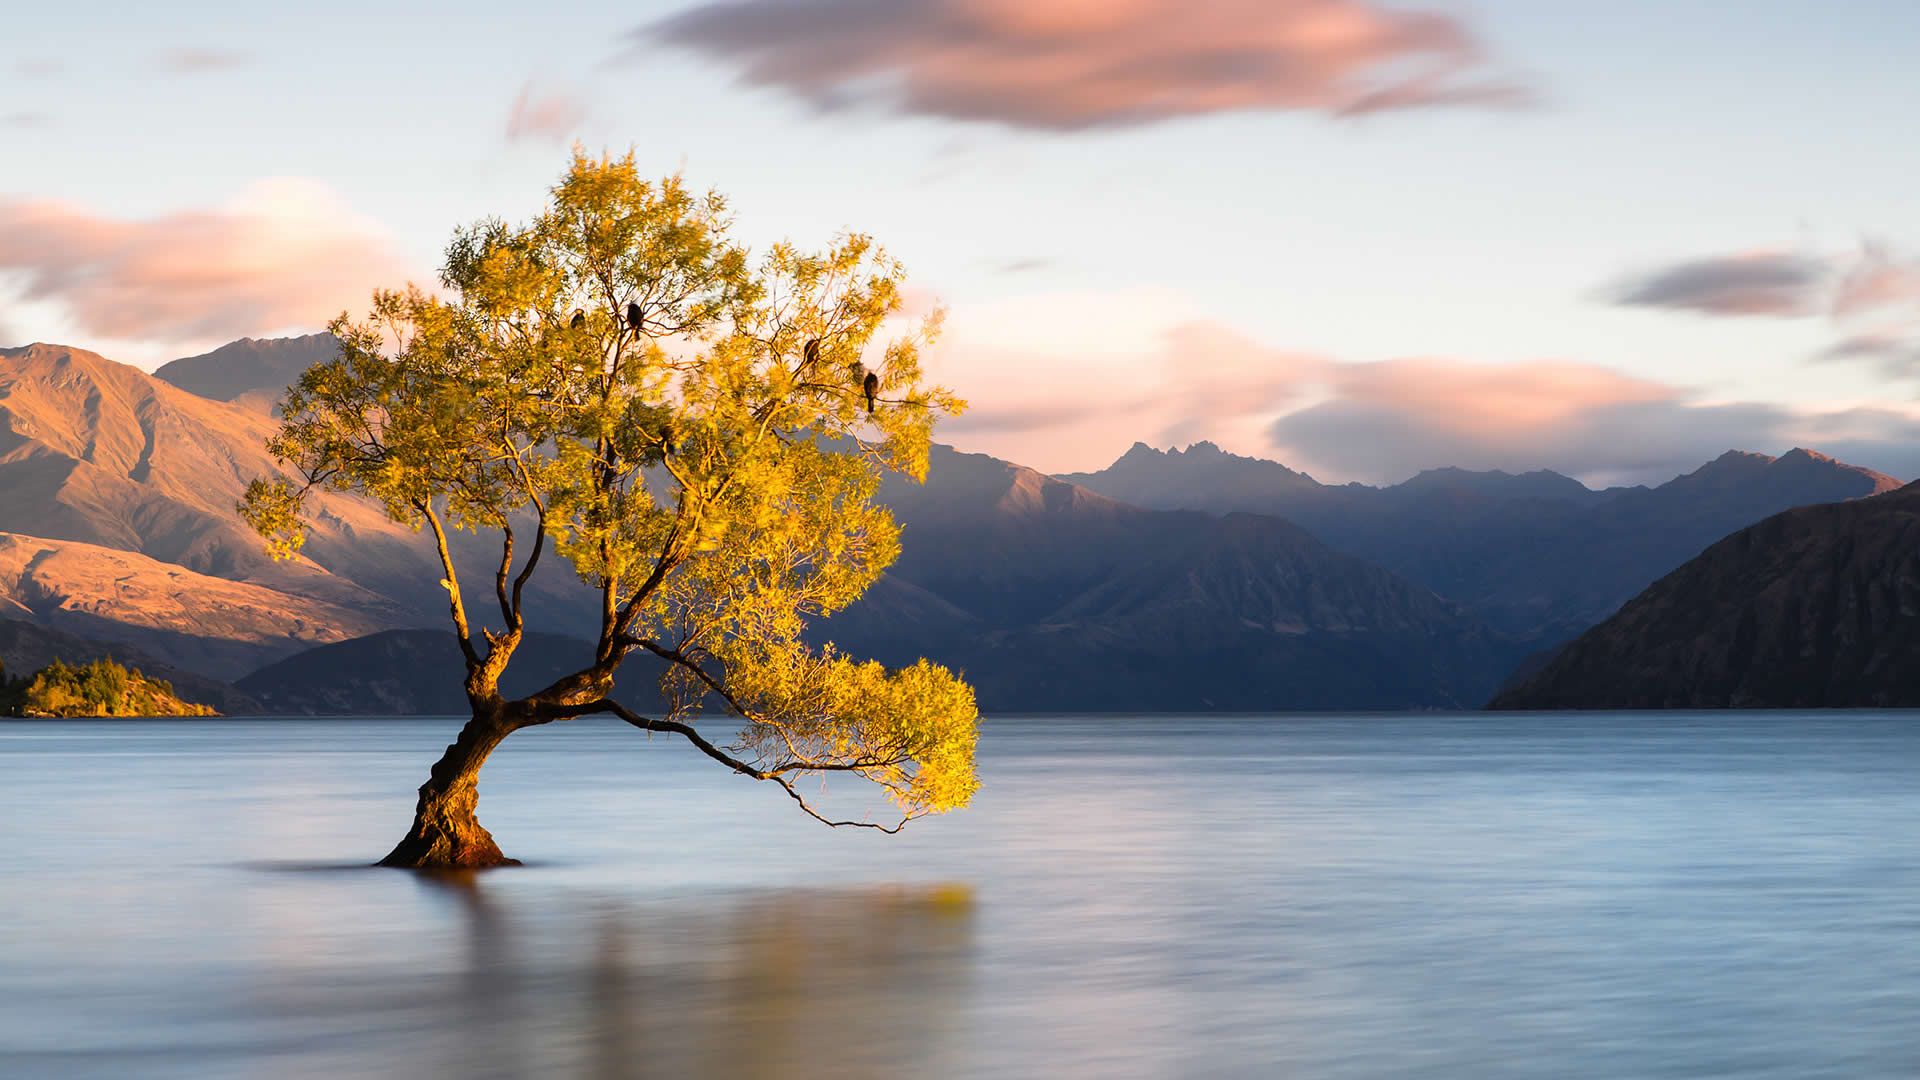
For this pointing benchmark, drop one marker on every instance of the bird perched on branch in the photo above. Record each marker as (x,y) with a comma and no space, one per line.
(579,320)
(635,316)
(871,384)
(811,354)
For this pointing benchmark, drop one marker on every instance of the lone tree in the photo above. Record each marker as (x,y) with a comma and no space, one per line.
(691,430)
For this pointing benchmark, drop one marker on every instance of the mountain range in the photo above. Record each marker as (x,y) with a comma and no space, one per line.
(1176,580)
(1053,597)
(1537,556)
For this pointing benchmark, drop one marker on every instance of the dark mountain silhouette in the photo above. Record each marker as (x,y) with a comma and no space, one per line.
(1538,556)
(252,372)
(1053,597)
(1818,607)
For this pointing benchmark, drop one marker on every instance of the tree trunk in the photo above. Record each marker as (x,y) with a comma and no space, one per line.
(445,833)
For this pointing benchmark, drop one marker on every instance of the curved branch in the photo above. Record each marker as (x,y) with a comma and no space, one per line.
(796,761)
(452,580)
(507,613)
(741,767)
(539,536)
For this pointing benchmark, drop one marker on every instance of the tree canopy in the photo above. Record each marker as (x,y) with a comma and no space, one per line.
(686,425)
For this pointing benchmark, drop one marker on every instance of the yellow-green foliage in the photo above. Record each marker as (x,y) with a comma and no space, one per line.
(711,473)
(101,688)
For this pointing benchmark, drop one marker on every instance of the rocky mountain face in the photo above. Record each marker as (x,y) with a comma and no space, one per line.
(117,521)
(1817,607)
(187,620)
(119,492)
(1537,556)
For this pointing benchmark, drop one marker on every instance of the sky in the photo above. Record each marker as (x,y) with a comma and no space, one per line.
(1358,236)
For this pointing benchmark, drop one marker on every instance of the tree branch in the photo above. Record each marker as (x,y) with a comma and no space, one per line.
(741,767)
(507,612)
(452,582)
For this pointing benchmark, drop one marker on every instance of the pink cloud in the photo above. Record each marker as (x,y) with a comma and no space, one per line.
(1097,63)
(1492,397)
(549,116)
(289,255)
(1386,420)
(1078,397)
(1071,404)
(1877,279)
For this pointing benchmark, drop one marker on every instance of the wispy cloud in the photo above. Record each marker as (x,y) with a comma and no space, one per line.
(288,255)
(1871,297)
(1876,280)
(1761,283)
(1097,63)
(549,116)
(200,59)
(1893,355)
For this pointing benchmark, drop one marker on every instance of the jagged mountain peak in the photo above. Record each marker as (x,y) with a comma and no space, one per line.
(1800,463)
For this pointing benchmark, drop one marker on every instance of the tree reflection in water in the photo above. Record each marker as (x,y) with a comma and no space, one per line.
(828,982)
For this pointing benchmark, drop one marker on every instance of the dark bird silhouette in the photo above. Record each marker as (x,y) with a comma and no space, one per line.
(871,384)
(579,321)
(811,353)
(635,317)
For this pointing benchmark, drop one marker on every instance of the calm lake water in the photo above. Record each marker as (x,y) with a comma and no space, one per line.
(1679,895)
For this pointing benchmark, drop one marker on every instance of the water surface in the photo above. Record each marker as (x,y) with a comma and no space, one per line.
(1677,895)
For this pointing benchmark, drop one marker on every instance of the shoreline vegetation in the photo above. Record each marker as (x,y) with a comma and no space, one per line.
(101,688)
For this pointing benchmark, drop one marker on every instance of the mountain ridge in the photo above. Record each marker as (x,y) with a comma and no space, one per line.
(1537,555)
(1052,595)
(1815,607)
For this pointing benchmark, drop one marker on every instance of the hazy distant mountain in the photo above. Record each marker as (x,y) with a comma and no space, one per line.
(1053,597)
(1817,607)
(1202,477)
(252,372)
(1537,555)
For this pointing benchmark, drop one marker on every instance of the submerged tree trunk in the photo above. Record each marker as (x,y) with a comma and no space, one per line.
(445,832)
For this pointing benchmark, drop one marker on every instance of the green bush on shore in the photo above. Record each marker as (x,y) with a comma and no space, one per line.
(100,688)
